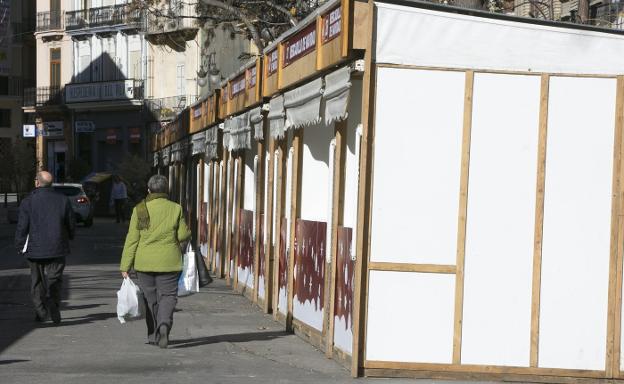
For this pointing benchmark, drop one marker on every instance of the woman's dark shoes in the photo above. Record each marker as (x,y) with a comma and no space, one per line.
(163,340)
(55,313)
(41,316)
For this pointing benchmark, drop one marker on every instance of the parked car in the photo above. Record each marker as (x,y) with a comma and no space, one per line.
(81,205)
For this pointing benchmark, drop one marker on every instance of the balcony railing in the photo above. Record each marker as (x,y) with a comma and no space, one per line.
(121,15)
(43,96)
(49,21)
(166,108)
(116,90)
(180,17)
(11,86)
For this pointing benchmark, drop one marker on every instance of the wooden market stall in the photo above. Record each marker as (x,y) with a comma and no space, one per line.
(489,237)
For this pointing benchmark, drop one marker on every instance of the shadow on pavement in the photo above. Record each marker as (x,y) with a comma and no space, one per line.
(6,362)
(232,338)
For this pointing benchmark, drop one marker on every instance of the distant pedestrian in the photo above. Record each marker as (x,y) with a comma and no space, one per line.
(46,224)
(153,249)
(119,195)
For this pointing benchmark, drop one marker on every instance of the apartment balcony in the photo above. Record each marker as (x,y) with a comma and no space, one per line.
(180,23)
(104,94)
(11,87)
(166,108)
(120,16)
(49,21)
(43,96)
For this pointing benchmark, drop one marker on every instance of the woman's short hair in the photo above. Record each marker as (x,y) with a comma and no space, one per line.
(158,184)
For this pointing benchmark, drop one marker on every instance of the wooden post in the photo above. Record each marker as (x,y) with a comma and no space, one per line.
(615,260)
(362,246)
(209,214)
(200,201)
(269,253)
(539,221)
(337,220)
(295,211)
(228,221)
(239,164)
(220,233)
(259,206)
(461,226)
(279,209)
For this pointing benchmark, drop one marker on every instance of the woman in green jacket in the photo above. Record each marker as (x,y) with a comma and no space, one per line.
(153,250)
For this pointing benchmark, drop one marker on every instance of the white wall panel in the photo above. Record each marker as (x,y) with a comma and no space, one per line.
(577,218)
(315,172)
(404,36)
(248,173)
(410,317)
(501,220)
(417,163)
(352,164)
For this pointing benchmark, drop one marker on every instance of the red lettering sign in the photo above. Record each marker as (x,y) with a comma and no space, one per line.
(238,86)
(111,136)
(332,24)
(135,135)
(299,45)
(252,76)
(272,62)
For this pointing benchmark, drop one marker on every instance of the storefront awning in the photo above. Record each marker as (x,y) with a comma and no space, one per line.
(212,142)
(336,95)
(227,129)
(255,118)
(156,159)
(165,154)
(303,105)
(240,133)
(198,143)
(276,117)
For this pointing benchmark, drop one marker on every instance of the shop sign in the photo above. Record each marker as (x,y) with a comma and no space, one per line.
(197,110)
(135,135)
(53,128)
(252,76)
(29,130)
(272,65)
(300,45)
(100,91)
(238,86)
(332,24)
(84,126)
(111,136)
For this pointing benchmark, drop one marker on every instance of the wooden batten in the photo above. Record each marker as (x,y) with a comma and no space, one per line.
(223,110)
(259,180)
(295,213)
(617,328)
(277,156)
(362,246)
(228,221)
(269,254)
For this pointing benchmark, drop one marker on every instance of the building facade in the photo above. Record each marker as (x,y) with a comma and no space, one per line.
(105,72)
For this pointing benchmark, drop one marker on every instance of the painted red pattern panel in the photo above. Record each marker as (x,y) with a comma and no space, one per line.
(261,257)
(283,260)
(202,223)
(246,243)
(345,271)
(309,274)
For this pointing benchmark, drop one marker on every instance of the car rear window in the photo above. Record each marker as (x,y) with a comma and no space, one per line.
(69,191)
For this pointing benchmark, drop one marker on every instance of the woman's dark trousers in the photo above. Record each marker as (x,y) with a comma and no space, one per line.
(160,290)
(120,215)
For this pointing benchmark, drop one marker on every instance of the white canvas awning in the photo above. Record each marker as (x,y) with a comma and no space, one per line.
(198,143)
(212,142)
(276,117)
(255,118)
(227,129)
(165,154)
(156,159)
(176,154)
(336,95)
(240,134)
(303,105)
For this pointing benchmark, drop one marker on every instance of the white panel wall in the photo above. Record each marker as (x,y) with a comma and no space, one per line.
(501,220)
(410,317)
(575,253)
(405,36)
(249,194)
(418,137)
(352,164)
(315,172)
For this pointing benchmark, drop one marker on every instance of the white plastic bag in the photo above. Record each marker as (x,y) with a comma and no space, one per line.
(188,283)
(129,298)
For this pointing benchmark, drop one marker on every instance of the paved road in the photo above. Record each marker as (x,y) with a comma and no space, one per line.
(218,336)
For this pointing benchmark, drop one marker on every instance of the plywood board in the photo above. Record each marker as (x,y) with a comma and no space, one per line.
(315,176)
(577,218)
(500,220)
(410,317)
(414,214)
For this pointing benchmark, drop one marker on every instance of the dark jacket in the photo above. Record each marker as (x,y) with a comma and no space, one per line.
(46,217)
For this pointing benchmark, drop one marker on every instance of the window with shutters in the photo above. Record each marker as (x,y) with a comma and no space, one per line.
(55,67)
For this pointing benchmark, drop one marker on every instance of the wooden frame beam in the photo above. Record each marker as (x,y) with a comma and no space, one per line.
(295,212)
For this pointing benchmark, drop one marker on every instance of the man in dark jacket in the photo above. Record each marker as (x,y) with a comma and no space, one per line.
(45,226)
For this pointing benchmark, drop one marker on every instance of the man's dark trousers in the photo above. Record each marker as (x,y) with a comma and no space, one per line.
(46,283)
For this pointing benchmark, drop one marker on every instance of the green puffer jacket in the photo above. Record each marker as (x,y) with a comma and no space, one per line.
(156,249)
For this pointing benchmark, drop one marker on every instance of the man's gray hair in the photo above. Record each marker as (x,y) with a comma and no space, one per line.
(44,178)
(158,184)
